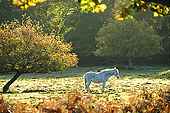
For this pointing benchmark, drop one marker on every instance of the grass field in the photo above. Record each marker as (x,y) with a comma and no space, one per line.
(34,88)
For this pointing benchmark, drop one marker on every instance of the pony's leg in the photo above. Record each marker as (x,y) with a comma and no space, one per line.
(103,86)
(87,84)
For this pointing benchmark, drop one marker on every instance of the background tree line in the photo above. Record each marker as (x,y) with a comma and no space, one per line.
(84,30)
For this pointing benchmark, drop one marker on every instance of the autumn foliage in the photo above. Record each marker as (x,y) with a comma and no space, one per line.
(24,47)
(25,4)
(75,102)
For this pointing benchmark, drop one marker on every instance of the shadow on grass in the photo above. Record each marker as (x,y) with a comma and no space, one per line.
(150,76)
(9,92)
(32,91)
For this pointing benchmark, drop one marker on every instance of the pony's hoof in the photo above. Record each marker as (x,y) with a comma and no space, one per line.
(103,91)
(88,91)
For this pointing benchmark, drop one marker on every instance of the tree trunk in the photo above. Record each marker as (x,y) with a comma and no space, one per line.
(130,64)
(7,85)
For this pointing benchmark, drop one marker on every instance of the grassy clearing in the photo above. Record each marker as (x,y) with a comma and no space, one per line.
(34,88)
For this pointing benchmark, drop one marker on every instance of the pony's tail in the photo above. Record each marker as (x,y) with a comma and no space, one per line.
(85,81)
(85,78)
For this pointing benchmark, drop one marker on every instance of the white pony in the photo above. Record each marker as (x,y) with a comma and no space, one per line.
(100,77)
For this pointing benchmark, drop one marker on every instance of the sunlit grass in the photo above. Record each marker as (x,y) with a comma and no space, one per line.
(34,88)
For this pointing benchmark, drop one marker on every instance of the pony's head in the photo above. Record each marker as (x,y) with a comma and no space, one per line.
(116,72)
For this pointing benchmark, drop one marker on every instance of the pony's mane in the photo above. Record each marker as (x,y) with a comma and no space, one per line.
(108,69)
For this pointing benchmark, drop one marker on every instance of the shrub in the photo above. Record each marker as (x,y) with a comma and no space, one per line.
(146,102)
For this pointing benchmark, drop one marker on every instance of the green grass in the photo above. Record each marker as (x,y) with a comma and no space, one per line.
(33,88)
